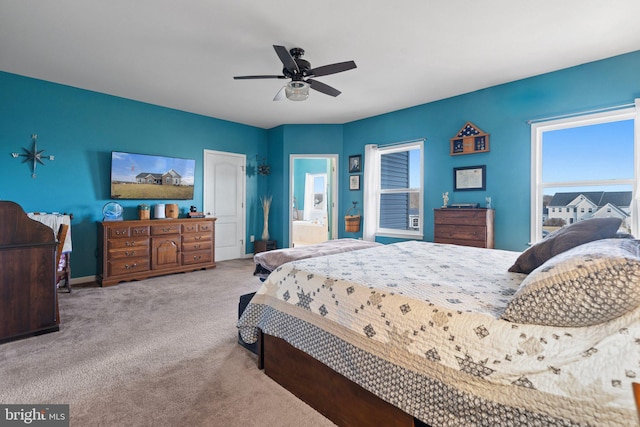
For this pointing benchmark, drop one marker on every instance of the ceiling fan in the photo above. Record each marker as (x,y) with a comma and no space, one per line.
(300,73)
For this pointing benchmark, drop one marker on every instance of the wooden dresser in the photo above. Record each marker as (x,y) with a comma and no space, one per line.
(133,250)
(28,296)
(466,227)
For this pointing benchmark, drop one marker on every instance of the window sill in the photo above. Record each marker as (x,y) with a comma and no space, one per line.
(400,235)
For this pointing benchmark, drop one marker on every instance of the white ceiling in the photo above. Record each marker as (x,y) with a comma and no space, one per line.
(184,54)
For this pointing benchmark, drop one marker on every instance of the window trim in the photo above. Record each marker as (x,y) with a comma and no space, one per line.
(390,232)
(537,186)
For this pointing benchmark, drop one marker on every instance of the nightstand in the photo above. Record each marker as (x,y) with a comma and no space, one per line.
(263,246)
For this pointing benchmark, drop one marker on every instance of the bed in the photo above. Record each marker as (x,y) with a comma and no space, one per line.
(268,261)
(446,335)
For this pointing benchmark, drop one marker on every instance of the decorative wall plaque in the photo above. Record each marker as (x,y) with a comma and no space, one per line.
(469,140)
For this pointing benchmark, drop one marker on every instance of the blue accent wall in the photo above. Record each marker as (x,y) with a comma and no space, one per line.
(81,128)
(295,139)
(503,112)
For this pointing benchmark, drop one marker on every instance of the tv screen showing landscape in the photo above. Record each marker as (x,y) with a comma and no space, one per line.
(142,176)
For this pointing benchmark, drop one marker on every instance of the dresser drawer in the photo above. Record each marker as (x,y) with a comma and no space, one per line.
(128,266)
(159,230)
(116,232)
(461,232)
(133,252)
(197,257)
(196,237)
(127,243)
(197,246)
(139,231)
(197,227)
(459,216)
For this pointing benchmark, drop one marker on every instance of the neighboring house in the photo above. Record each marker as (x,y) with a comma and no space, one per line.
(168,178)
(578,206)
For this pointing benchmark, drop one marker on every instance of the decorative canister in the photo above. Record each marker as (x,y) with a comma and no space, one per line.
(171,210)
(144,211)
(158,213)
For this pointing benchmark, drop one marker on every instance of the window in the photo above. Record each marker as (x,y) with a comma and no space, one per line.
(586,160)
(394,190)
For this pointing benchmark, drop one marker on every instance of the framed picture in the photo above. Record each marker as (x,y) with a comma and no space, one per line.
(355,164)
(469,178)
(354,182)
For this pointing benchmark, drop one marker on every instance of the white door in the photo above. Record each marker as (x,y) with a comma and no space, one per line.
(224,188)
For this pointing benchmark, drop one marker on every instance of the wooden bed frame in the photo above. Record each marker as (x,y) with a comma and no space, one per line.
(333,395)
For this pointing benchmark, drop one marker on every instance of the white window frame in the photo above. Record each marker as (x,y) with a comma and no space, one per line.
(537,186)
(390,232)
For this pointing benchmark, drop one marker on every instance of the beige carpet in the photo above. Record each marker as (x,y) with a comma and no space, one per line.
(157,352)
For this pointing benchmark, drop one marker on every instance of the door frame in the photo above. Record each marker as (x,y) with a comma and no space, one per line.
(205,189)
(333,174)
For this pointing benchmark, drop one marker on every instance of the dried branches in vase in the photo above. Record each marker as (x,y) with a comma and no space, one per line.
(265,201)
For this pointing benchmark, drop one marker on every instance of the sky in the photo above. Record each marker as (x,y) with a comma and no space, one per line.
(602,151)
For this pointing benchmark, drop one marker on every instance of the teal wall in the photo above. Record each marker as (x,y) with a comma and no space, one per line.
(503,112)
(81,128)
(295,139)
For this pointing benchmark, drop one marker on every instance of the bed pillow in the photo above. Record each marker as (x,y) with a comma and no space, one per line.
(587,285)
(564,239)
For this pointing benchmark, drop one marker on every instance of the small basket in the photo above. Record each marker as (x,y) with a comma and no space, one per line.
(352,222)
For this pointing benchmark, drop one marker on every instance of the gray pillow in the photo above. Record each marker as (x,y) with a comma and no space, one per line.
(564,239)
(587,285)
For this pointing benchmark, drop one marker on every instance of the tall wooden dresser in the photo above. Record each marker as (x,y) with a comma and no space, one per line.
(133,250)
(466,227)
(28,296)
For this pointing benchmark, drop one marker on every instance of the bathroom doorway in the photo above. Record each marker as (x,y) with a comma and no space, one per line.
(312,198)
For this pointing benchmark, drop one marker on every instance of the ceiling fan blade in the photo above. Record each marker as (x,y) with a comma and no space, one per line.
(286,58)
(258,77)
(332,68)
(280,95)
(324,88)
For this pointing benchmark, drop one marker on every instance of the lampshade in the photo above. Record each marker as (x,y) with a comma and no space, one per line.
(297,90)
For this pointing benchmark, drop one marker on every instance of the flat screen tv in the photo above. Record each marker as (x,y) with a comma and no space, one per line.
(143,176)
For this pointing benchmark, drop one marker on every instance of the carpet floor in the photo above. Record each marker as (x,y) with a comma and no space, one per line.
(155,352)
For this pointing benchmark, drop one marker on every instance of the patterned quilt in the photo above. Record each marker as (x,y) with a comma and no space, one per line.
(268,261)
(418,325)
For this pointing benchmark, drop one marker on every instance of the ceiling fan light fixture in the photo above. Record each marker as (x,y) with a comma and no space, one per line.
(297,90)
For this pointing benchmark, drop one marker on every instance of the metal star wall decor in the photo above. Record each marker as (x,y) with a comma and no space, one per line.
(34,155)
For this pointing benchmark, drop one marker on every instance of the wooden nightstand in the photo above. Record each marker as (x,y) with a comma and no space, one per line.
(263,246)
